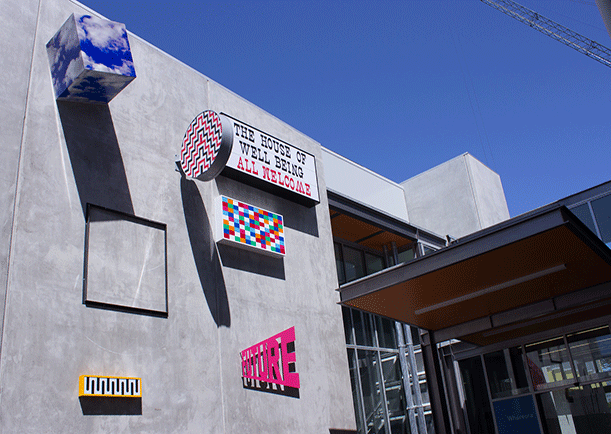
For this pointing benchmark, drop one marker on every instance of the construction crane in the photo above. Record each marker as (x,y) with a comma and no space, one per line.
(554,30)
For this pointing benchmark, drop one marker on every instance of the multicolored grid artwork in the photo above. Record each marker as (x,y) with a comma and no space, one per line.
(250,227)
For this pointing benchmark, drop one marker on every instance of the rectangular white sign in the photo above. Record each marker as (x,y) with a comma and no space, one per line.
(267,158)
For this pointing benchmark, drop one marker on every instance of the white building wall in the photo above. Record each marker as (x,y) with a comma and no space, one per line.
(362,185)
(456,198)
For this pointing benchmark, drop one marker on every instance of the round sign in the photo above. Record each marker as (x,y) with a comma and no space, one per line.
(206,146)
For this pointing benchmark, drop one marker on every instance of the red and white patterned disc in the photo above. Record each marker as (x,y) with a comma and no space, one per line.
(201,144)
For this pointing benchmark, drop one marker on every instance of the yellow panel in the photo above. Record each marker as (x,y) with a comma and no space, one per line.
(110,387)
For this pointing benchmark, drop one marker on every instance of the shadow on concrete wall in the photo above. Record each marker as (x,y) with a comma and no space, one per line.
(296,216)
(204,252)
(262,386)
(253,262)
(95,156)
(110,406)
(302,219)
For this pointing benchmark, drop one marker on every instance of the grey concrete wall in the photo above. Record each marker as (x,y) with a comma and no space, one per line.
(17,36)
(220,300)
(487,192)
(456,198)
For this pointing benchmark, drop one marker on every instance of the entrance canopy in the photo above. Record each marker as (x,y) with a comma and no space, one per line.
(532,273)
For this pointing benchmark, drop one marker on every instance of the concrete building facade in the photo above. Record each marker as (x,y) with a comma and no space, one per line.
(109,265)
(175,259)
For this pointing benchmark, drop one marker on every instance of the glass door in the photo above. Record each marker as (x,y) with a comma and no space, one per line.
(576,410)
(560,385)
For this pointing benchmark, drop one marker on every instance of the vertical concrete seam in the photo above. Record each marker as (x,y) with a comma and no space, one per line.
(472,188)
(16,197)
(218,328)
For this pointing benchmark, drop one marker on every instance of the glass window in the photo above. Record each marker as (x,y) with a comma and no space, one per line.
(339,263)
(362,328)
(393,385)
(406,255)
(477,403)
(427,249)
(372,393)
(602,212)
(419,361)
(424,390)
(430,427)
(353,260)
(415,332)
(347,325)
(506,374)
(548,363)
(386,333)
(356,395)
(591,351)
(374,263)
(582,212)
(577,409)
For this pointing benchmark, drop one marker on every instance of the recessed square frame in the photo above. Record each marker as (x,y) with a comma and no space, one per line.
(125,266)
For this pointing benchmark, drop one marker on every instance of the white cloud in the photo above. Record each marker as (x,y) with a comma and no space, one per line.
(103,34)
(73,70)
(125,68)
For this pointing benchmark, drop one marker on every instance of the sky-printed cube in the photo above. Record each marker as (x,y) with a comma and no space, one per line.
(90,59)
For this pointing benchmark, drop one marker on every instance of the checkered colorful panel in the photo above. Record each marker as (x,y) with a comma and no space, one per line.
(252,226)
(201,143)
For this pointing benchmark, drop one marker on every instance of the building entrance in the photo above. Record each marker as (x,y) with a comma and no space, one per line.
(560,385)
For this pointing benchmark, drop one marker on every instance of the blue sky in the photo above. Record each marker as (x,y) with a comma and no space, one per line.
(402,86)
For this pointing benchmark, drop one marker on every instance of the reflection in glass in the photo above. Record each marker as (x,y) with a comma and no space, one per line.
(347,325)
(362,328)
(372,394)
(406,255)
(424,389)
(386,333)
(393,385)
(548,363)
(476,396)
(353,260)
(591,351)
(427,249)
(356,396)
(582,212)
(419,362)
(374,263)
(602,213)
(339,263)
(506,373)
(576,410)
(415,332)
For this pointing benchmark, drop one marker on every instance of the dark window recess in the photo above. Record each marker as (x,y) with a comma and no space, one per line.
(354,262)
(339,263)
(476,396)
(374,263)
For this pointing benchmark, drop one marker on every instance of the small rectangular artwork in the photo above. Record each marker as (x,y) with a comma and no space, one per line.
(111,387)
(248,226)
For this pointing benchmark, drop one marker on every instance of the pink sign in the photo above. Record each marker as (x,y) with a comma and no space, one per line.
(270,360)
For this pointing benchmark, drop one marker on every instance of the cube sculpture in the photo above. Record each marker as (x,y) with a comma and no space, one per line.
(249,227)
(90,59)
